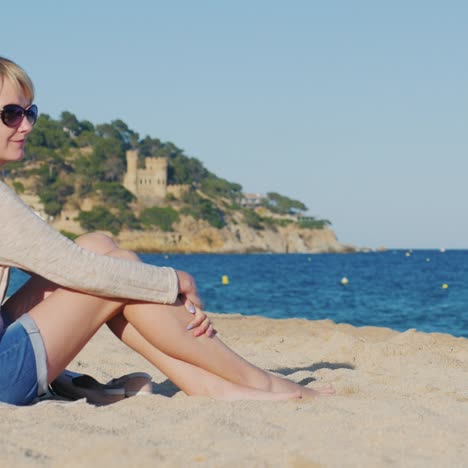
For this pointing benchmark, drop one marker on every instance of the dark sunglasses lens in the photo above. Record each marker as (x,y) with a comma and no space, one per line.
(12,115)
(31,114)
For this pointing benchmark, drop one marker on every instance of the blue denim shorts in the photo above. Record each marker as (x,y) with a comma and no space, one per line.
(23,362)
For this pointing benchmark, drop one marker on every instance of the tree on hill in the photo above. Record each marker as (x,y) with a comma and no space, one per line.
(114,194)
(182,169)
(48,134)
(70,123)
(201,208)
(215,186)
(106,161)
(281,204)
(100,218)
(148,147)
(78,130)
(163,217)
(54,186)
(313,223)
(118,130)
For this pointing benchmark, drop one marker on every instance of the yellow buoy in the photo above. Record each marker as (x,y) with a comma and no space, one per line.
(445,286)
(344,281)
(408,254)
(225,279)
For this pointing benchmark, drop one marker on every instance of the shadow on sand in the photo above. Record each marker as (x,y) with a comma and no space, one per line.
(312,368)
(168,389)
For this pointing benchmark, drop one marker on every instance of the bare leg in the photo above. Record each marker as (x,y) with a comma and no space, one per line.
(64,312)
(191,379)
(240,371)
(165,330)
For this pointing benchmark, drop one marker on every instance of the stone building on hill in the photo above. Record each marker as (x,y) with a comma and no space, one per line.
(148,184)
(252,200)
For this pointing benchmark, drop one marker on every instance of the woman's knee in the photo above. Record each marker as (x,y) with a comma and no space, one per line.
(101,244)
(125,254)
(96,242)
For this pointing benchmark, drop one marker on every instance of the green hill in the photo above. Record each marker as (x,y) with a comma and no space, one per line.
(68,160)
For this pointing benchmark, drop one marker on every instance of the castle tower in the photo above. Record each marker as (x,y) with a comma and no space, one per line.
(130,178)
(149,185)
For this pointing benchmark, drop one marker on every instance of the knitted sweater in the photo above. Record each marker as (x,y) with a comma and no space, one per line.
(27,242)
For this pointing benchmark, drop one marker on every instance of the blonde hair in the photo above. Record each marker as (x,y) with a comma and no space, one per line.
(17,76)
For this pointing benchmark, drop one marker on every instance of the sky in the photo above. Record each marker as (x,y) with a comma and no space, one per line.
(359,109)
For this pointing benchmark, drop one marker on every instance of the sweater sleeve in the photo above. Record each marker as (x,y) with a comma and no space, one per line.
(27,242)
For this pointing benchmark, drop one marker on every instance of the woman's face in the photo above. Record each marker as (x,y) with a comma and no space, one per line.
(12,140)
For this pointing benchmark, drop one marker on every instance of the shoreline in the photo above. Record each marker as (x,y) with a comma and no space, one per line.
(198,237)
(401,399)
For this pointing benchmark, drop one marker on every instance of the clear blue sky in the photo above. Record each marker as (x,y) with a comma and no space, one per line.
(357,108)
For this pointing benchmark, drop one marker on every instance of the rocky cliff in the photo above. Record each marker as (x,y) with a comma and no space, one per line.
(190,236)
(198,236)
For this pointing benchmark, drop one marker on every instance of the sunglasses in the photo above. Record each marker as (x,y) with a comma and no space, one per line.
(12,115)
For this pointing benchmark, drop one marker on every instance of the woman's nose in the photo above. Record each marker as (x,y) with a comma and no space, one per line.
(25,126)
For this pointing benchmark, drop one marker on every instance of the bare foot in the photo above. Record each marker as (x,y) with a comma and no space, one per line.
(280,384)
(245,393)
(327,390)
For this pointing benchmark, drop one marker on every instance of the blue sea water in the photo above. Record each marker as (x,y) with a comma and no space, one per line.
(395,289)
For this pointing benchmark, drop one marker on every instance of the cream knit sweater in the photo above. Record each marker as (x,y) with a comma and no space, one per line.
(27,242)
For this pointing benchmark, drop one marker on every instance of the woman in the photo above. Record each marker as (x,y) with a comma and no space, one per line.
(77,287)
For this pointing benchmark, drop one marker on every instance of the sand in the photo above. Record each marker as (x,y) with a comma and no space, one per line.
(402,400)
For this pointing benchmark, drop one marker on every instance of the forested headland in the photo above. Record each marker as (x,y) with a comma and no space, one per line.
(68,161)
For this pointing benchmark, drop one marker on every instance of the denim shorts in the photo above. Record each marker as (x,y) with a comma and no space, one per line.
(23,362)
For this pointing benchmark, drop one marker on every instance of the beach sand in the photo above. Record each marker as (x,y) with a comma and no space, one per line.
(402,400)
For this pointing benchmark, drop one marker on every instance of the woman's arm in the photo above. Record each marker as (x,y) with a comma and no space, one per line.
(27,242)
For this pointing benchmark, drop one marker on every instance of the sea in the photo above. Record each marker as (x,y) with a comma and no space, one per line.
(426,290)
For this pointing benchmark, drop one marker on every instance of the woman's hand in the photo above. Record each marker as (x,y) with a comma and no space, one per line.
(201,324)
(188,294)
